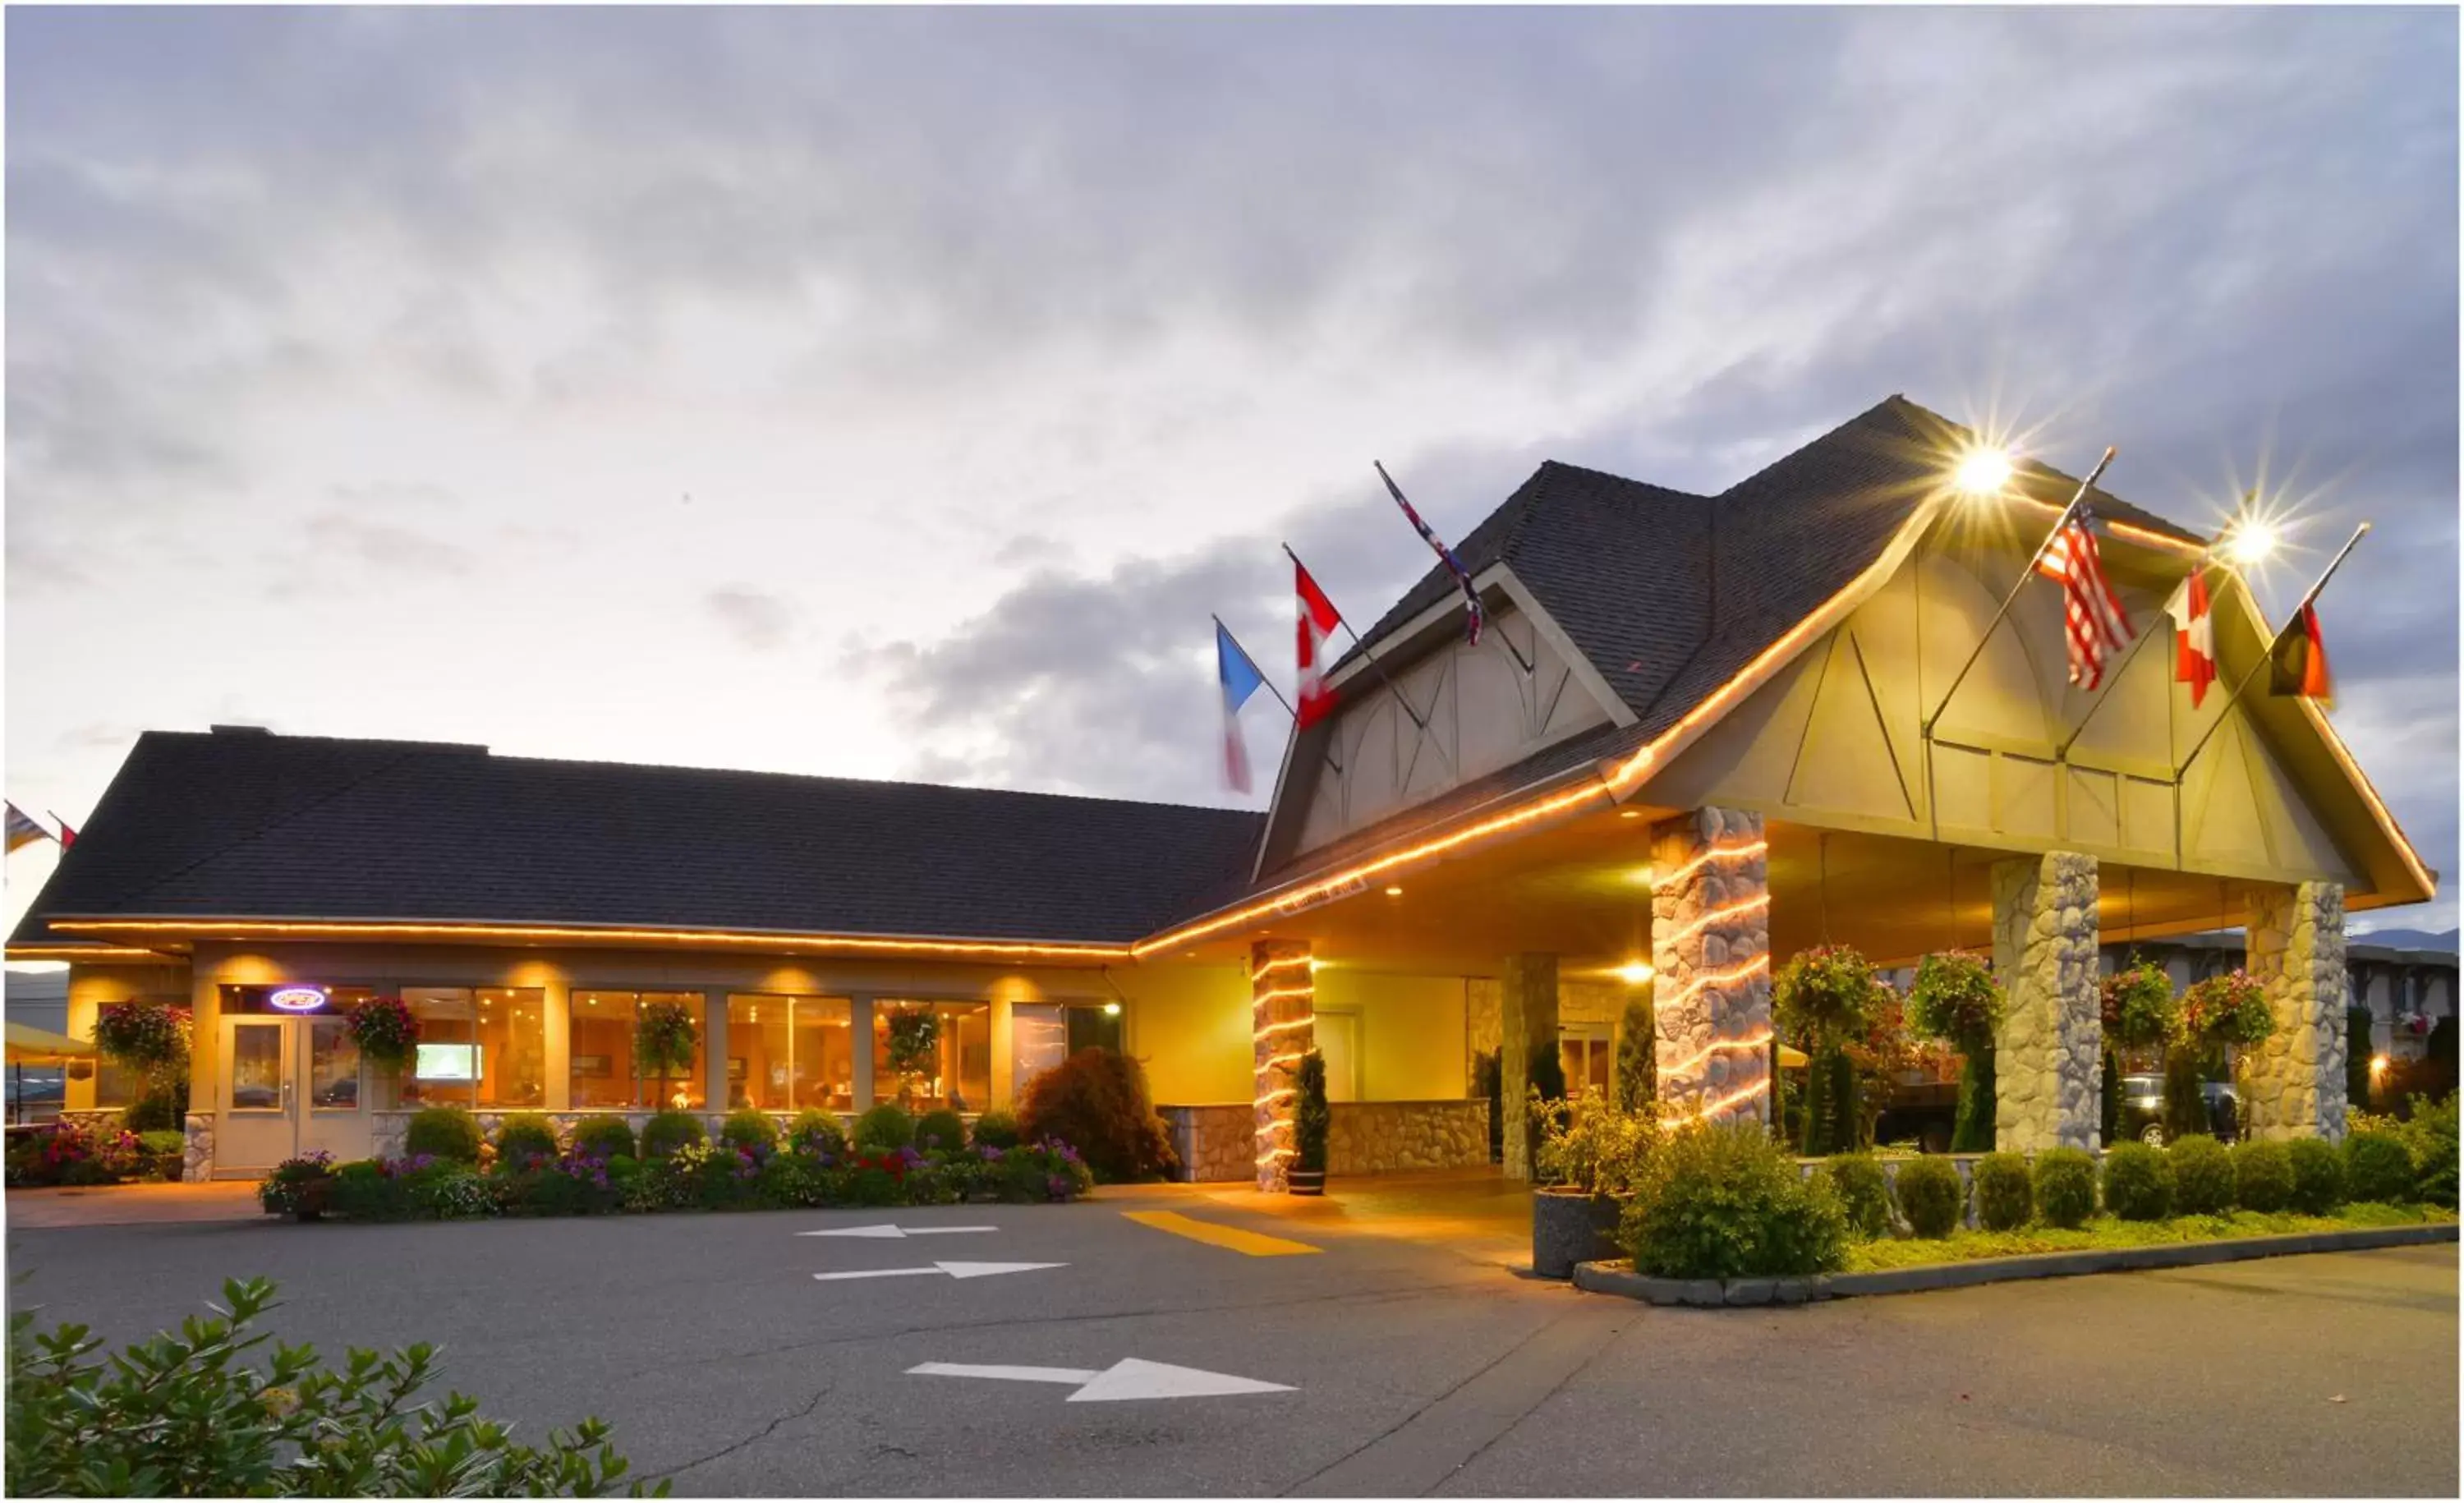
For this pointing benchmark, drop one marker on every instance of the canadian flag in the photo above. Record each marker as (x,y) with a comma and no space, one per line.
(2194,636)
(1317,622)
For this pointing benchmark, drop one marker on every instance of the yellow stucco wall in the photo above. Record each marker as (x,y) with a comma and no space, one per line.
(1411,1040)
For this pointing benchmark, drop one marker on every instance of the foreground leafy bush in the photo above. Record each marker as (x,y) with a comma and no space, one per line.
(2006,1192)
(2317,1176)
(749,1128)
(817,1132)
(1930,1196)
(2262,1177)
(1863,1191)
(203,1413)
(2378,1167)
(1725,1201)
(523,1137)
(2138,1183)
(603,1137)
(943,1129)
(1097,1100)
(2065,1186)
(885,1126)
(666,1132)
(998,1130)
(2203,1176)
(443,1132)
(2427,1131)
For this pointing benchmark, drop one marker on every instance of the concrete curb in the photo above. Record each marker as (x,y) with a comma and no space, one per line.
(1619,1278)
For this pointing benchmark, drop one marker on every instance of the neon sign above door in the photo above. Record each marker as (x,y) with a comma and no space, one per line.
(297,999)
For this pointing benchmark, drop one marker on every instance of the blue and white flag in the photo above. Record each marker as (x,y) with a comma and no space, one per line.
(1239,677)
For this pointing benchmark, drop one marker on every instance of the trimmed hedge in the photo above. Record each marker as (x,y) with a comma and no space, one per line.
(1930,1196)
(2317,1176)
(2378,1167)
(666,1132)
(2262,1176)
(444,1132)
(885,1126)
(2066,1186)
(2006,1192)
(996,1130)
(817,1132)
(525,1136)
(603,1137)
(1865,1192)
(2203,1176)
(944,1128)
(749,1128)
(2138,1183)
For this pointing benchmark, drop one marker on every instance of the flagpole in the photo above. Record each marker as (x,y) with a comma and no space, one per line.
(1345,623)
(2269,654)
(1453,562)
(2204,563)
(1924,730)
(1253,663)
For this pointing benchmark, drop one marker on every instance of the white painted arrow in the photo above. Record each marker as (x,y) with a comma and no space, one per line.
(953,1269)
(894,1231)
(1130,1378)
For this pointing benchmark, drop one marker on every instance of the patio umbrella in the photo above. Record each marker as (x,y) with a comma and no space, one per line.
(29,1045)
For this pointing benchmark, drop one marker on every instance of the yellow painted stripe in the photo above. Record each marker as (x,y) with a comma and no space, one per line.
(1256,1244)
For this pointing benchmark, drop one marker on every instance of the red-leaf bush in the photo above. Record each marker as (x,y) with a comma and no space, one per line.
(1096,1101)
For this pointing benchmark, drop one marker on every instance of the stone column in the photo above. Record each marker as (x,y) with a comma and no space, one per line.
(1710,958)
(2293,1085)
(1526,1016)
(1283,1013)
(2048,1055)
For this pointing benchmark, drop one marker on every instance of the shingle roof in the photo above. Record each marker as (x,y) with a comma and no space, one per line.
(269,827)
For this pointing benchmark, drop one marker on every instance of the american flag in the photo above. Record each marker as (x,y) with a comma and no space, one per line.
(1473,615)
(2093,619)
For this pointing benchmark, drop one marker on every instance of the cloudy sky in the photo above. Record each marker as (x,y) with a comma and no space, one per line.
(895,394)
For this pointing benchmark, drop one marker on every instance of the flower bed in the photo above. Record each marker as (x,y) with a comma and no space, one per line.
(75,1153)
(2109,1232)
(697,1176)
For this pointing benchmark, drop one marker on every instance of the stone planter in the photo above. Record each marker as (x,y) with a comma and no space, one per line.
(1571,1227)
(1304,1182)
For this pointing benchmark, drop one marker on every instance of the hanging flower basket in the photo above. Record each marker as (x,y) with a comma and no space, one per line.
(2139,1009)
(148,1036)
(2231,1008)
(1956,1000)
(387,1031)
(1825,994)
(664,1039)
(912,1038)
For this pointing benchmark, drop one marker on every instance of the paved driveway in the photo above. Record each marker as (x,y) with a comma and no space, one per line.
(1404,1365)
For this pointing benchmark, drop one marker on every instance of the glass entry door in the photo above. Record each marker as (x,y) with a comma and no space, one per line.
(290,1086)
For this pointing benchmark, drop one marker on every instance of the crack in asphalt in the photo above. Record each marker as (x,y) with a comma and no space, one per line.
(1531,1408)
(762,1434)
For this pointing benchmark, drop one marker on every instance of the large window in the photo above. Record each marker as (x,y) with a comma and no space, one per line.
(605,1070)
(784,1053)
(947,1062)
(482,1048)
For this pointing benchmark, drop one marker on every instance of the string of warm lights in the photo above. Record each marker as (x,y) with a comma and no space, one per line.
(1702,1109)
(1263,998)
(1706,979)
(1286,1026)
(1272,966)
(578,934)
(1717,1047)
(1279,1059)
(1717,915)
(1739,852)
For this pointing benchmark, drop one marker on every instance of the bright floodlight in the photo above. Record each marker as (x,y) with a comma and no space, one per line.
(2252,542)
(1983,472)
(1634,973)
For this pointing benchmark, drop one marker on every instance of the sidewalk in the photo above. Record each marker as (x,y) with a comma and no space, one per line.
(131,1204)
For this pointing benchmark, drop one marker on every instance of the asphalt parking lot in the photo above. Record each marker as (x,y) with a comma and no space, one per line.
(1198,1356)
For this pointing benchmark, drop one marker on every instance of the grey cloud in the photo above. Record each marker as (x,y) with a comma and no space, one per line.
(756,621)
(382,546)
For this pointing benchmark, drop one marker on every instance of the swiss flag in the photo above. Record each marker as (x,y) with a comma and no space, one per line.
(2194,636)
(1318,618)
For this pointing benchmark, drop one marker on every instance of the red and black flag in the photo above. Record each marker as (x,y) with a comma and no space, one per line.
(2297,661)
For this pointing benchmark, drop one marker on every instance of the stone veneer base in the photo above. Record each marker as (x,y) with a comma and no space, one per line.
(1619,1278)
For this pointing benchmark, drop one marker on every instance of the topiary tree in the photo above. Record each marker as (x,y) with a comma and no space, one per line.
(1954,999)
(2262,1176)
(2108,1125)
(1723,1201)
(944,1128)
(445,1132)
(996,1130)
(2317,1176)
(667,1038)
(2066,1186)
(666,1132)
(2378,1167)
(913,1036)
(1931,1199)
(817,1132)
(1823,998)
(1863,1190)
(603,1137)
(523,1137)
(2138,1183)
(2006,1192)
(2203,1176)
(1637,1063)
(1312,1117)
(2356,1056)
(885,1126)
(749,1128)
(1096,1102)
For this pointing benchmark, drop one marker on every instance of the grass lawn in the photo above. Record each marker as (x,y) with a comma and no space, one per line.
(2105,1231)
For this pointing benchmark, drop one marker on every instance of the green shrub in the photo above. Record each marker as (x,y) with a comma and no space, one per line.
(208,1411)
(885,1126)
(446,1132)
(1863,1190)
(944,1130)
(669,1131)
(523,1137)
(163,1108)
(2065,1186)
(1931,1199)
(1725,1201)
(169,1152)
(2006,1192)
(1096,1102)
(818,1131)
(609,1137)
(1312,1119)
(2378,1167)
(790,1181)
(749,1129)
(2317,1176)
(449,1191)
(996,1130)
(362,1191)
(2262,1177)
(2138,1183)
(2432,1132)
(2203,1176)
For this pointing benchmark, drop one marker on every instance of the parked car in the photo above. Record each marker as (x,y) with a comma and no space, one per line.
(2142,1109)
